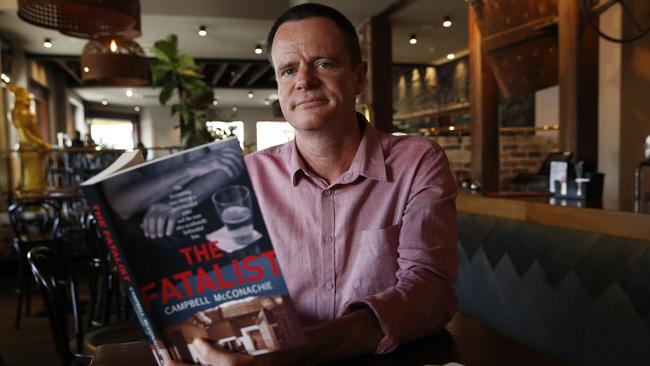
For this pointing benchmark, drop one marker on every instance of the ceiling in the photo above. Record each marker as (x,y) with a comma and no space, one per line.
(236,27)
(147,96)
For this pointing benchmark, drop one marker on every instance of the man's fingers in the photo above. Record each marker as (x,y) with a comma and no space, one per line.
(161,220)
(210,354)
(176,363)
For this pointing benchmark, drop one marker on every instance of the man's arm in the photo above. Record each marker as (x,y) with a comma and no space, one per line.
(355,333)
(424,298)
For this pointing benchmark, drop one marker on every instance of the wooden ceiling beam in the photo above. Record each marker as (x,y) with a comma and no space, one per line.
(62,64)
(258,74)
(219,73)
(242,70)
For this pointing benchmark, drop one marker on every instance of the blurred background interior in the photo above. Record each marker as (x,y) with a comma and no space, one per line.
(505,89)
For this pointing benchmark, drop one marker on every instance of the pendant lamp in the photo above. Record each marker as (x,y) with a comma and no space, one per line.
(84,18)
(114,61)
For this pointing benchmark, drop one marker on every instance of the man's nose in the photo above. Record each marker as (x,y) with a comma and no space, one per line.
(306,78)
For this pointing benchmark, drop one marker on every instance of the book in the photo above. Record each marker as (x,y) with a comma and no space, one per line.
(187,237)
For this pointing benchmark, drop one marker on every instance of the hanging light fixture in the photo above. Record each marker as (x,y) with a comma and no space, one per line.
(203,31)
(84,18)
(413,39)
(116,61)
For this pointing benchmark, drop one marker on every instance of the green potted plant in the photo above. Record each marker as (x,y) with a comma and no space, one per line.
(177,72)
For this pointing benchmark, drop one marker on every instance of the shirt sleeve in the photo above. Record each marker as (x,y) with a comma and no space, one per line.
(424,298)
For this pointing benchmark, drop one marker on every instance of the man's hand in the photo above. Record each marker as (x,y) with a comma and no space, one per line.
(353,334)
(213,355)
(159,221)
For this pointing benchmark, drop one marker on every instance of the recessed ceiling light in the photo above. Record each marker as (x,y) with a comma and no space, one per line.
(234,108)
(267,101)
(451,56)
(47,43)
(446,22)
(251,94)
(203,31)
(86,69)
(258,49)
(215,102)
(136,108)
(413,39)
(104,102)
(129,93)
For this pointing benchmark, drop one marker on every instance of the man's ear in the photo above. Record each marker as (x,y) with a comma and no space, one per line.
(360,72)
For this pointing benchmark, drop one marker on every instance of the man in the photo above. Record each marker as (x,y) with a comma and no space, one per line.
(76,139)
(363,223)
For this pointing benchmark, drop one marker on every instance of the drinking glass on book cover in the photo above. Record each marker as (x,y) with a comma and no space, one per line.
(233,204)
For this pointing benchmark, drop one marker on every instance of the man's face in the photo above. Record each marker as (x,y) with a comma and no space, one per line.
(317,84)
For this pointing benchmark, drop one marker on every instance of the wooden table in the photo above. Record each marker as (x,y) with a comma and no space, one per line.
(465,341)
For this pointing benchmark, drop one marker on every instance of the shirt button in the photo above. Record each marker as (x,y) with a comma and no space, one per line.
(328,286)
(327,192)
(328,239)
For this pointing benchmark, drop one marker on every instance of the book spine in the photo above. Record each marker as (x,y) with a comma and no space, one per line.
(110,238)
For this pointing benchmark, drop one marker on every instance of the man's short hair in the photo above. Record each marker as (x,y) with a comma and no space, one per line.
(312,10)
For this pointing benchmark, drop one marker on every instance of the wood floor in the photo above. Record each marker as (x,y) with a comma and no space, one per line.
(32,344)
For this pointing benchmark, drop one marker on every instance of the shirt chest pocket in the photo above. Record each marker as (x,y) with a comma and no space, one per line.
(381,241)
(378,259)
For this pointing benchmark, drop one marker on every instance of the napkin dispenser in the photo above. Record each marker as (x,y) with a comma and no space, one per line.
(570,181)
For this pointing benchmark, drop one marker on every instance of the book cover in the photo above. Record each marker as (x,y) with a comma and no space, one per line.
(188,238)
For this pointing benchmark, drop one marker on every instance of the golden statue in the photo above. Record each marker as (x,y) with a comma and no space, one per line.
(33,148)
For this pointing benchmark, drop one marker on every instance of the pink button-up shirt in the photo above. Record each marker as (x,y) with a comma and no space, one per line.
(383,234)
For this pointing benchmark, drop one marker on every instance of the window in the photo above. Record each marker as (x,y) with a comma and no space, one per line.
(112,133)
(273,133)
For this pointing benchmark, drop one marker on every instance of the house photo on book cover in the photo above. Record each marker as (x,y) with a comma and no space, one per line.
(188,238)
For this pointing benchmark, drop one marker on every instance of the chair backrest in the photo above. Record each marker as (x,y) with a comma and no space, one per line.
(33,217)
(60,293)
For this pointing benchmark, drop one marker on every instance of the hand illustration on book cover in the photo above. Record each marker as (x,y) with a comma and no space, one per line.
(194,178)
(187,236)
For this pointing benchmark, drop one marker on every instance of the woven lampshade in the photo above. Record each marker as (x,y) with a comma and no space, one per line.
(84,18)
(115,61)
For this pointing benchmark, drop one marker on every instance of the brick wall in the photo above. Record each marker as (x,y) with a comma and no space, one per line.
(459,151)
(524,154)
(519,153)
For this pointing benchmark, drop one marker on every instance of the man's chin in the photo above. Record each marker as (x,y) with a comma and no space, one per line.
(309,121)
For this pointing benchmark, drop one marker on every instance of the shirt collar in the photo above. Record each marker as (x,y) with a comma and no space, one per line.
(369,160)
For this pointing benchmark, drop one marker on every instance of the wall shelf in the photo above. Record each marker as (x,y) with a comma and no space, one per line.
(433,112)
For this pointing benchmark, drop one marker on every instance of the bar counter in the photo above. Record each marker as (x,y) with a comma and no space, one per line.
(570,282)
(538,210)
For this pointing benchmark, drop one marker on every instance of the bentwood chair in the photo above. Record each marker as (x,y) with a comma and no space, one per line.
(34,223)
(61,297)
